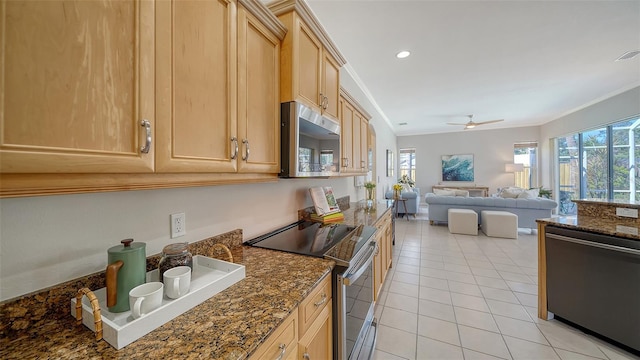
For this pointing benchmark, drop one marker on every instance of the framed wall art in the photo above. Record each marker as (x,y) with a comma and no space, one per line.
(457,167)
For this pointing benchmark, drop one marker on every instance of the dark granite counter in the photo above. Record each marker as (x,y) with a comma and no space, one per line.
(618,203)
(230,325)
(596,225)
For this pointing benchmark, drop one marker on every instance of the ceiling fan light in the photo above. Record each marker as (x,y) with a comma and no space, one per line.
(470,126)
(628,55)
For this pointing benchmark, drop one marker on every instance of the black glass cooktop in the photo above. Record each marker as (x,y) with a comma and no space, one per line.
(315,239)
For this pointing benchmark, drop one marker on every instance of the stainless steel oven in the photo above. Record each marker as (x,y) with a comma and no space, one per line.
(352,248)
(356,330)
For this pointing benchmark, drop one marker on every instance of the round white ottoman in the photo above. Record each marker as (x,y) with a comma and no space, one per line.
(462,221)
(499,224)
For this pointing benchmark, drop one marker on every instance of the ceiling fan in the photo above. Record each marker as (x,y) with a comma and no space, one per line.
(471,124)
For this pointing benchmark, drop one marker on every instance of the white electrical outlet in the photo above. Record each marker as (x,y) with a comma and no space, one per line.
(178,225)
(626,212)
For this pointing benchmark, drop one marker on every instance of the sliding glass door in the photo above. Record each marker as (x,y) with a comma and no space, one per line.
(595,165)
(569,171)
(599,164)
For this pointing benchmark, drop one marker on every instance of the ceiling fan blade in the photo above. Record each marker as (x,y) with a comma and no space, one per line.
(457,123)
(489,122)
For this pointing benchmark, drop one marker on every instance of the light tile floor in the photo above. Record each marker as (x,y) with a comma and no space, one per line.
(452,296)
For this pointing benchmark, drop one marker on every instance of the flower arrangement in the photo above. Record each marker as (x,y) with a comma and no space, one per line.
(405,179)
(397,188)
(370,185)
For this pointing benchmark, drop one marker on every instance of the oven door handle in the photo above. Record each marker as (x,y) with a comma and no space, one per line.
(360,266)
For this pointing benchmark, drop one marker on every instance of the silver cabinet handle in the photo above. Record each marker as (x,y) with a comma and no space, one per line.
(246,149)
(147,145)
(324,300)
(306,356)
(283,349)
(321,101)
(234,149)
(326,102)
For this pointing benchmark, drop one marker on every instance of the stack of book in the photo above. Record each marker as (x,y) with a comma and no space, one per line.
(329,218)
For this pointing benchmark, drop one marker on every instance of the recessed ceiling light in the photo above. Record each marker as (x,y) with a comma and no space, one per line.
(403,54)
(629,55)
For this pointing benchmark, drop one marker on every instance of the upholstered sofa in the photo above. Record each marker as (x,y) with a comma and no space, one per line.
(412,200)
(528,210)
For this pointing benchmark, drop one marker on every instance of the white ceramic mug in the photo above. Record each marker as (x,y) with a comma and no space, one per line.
(177,281)
(145,298)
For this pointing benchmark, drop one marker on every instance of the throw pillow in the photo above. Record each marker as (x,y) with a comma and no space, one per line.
(529,194)
(406,188)
(459,192)
(511,192)
(442,192)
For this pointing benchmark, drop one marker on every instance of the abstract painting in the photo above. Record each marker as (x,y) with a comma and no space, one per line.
(457,167)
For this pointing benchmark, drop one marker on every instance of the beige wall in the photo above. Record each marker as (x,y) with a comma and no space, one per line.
(491,149)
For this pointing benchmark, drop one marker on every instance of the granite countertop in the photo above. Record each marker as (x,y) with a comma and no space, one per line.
(618,203)
(598,225)
(359,214)
(230,325)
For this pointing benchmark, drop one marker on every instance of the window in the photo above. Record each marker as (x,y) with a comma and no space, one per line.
(527,155)
(326,160)
(408,163)
(569,173)
(599,164)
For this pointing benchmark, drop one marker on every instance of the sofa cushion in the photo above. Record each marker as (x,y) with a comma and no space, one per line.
(529,194)
(459,192)
(510,192)
(443,192)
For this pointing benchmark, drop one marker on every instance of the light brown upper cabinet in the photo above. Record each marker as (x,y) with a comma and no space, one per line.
(129,94)
(207,120)
(310,62)
(196,74)
(78,86)
(354,122)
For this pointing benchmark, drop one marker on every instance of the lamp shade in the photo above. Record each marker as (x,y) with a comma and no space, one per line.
(512,168)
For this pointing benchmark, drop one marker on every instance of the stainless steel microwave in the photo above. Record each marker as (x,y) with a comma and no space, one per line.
(310,143)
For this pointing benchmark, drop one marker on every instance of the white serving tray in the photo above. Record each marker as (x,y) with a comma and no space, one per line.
(209,277)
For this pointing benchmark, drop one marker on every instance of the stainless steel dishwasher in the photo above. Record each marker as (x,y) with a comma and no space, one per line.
(593,281)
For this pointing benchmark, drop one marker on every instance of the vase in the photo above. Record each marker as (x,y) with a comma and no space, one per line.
(396,194)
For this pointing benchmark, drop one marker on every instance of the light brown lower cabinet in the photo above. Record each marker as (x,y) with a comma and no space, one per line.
(283,343)
(307,332)
(317,341)
(382,261)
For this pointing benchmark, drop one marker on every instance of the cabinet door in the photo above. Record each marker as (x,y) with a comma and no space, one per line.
(317,343)
(308,51)
(357,156)
(196,86)
(346,136)
(330,85)
(282,343)
(378,268)
(364,155)
(258,96)
(388,242)
(78,81)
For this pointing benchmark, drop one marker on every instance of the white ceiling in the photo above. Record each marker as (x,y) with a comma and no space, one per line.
(528,62)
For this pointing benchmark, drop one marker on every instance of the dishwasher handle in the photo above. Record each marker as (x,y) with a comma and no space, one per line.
(594,244)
